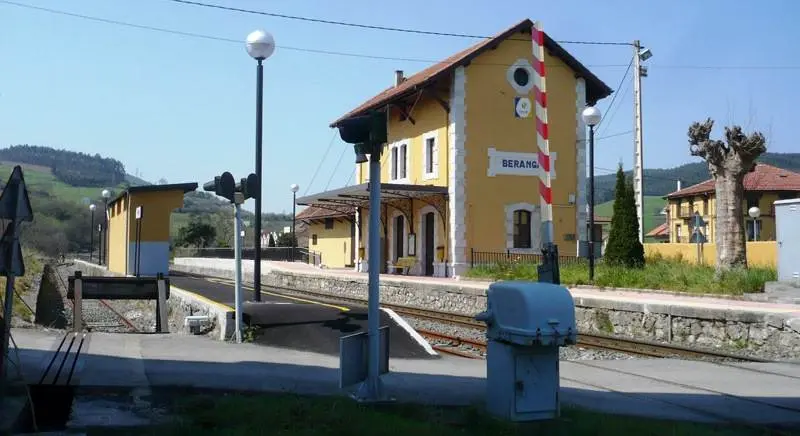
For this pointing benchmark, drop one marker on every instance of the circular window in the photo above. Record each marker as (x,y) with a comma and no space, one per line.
(521,76)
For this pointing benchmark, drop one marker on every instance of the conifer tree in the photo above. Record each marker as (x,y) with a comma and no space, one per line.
(623,246)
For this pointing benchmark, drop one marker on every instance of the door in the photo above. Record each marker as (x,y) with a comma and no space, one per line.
(787,232)
(429,248)
(399,223)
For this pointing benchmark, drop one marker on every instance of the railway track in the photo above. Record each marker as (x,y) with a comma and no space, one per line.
(456,345)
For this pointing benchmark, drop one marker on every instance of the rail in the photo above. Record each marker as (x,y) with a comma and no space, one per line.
(589,340)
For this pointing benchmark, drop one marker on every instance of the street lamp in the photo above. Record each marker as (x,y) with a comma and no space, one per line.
(260,45)
(591,116)
(294,187)
(754,213)
(92,207)
(104,232)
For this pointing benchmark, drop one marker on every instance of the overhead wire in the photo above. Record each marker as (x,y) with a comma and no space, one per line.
(614,97)
(613,110)
(371,26)
(314,176)
(369,56)
(333,173)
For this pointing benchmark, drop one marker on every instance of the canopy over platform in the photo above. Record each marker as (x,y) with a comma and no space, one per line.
(398,196)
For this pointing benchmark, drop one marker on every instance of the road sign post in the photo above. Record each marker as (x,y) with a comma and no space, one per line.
(138,260)
(15,206)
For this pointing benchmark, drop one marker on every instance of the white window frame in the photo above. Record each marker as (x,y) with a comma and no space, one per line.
(535,227)
(399,145)
(434,156)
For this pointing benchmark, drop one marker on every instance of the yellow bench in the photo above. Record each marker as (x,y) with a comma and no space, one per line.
(403,263)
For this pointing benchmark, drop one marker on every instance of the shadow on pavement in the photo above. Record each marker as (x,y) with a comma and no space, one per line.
(109,371)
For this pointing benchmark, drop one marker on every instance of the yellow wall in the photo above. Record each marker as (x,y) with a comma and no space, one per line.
(491,123)
(758,253)
(429,117)
(157,211)
(117,248)
(334,244)
(690,204)
(157,208)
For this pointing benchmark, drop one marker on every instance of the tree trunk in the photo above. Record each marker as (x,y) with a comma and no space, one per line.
(730,232)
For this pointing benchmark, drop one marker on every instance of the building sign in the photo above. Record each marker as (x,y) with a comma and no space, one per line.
(517,164)
(522,107)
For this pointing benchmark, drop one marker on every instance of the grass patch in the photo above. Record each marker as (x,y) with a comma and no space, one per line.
(261,414)
(24,285)
(658,273)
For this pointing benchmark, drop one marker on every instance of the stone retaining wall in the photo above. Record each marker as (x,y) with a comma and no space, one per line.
(142,313)
(755,333)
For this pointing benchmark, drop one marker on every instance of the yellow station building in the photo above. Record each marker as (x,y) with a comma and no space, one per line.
(460,172)
(157,203)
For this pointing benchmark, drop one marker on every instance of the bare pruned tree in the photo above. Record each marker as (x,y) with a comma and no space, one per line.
(728,162)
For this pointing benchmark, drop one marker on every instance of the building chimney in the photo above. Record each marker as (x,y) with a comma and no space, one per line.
(398,77)
(679,185)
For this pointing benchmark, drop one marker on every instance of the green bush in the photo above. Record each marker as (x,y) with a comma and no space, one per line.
(656,273)
(624,247)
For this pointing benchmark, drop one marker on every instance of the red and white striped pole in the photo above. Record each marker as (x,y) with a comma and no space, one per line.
(542,138)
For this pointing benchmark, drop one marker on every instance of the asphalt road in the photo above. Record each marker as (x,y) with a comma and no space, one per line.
(302,324)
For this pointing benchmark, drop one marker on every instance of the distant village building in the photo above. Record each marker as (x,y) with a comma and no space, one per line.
(762,187)
(460,172)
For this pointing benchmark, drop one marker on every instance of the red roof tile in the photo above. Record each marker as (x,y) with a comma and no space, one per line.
(596,89)
(763,178)
(318,213)
(660,230)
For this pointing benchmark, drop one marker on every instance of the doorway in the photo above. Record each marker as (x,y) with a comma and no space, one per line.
(428,250)
(399,224)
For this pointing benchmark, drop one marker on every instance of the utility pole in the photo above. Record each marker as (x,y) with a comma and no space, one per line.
(639,71)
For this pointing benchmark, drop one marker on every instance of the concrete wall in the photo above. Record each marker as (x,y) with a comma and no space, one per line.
(763,254)
(154,258)
(760,333)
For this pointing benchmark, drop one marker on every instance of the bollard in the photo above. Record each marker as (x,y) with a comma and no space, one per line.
(77,315)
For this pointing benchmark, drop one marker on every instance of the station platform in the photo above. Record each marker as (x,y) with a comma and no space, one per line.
(304,324)
(754,393)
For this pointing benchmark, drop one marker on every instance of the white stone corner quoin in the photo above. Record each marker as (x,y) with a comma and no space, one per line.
(457,169)
(580,153)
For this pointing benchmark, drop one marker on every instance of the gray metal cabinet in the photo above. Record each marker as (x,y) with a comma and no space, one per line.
(787,234)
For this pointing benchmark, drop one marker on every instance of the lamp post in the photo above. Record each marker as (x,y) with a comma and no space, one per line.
(92,207)
(104,233)
(591,116)
(294,187)
(260,45)
(754,213)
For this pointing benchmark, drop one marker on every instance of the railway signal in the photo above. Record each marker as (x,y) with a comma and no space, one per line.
(237,193)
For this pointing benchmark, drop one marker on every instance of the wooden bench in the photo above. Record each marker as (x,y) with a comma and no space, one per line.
(404,263)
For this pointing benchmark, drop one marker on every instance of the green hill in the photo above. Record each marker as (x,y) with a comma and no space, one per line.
(660,182)
(652,211)
(63,183)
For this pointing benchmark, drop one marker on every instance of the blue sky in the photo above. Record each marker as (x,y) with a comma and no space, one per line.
(182,108)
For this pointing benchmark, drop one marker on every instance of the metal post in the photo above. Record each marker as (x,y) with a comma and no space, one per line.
(372,388)
(91,239)
(591,203)
(638,157)
(7,314)
(755,230)
(259,116)
(237,225)
(294,220)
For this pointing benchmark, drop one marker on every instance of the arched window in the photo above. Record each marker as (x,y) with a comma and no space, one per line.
(522,229)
